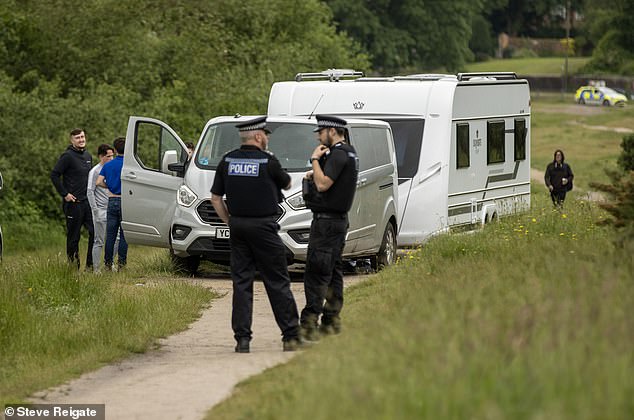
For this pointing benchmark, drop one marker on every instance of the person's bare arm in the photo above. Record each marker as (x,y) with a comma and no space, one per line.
(221,207)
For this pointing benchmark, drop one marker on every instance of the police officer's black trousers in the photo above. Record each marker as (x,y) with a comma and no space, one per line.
(323,278)
(255,244)
(78,214)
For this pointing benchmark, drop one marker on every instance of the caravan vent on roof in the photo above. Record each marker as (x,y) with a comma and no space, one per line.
(332,75)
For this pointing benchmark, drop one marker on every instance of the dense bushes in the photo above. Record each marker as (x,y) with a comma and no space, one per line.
(621,191)
(180,61)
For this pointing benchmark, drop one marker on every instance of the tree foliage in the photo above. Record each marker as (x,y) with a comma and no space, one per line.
(535,18)
(403,34)
(94,63)
(611,27)
(621,192)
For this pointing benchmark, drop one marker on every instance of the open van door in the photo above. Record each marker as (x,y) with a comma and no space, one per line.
(148,186)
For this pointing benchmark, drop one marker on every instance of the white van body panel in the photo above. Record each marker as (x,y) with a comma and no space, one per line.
(437,195)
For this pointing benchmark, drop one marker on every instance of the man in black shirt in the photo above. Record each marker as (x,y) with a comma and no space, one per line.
(332,184)
(70,177)
(252,179)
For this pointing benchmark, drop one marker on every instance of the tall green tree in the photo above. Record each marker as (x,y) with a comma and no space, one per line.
(611,27)
(409,34)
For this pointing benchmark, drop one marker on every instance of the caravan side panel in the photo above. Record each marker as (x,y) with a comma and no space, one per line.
(489,166)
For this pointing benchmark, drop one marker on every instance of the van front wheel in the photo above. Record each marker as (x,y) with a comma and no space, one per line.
(387,252)
(185,265)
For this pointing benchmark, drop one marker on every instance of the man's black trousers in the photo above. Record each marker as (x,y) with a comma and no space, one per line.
(78,214)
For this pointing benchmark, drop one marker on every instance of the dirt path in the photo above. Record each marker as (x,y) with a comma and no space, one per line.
(191,371)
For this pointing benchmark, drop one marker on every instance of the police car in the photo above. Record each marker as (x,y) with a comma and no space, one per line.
(598,95)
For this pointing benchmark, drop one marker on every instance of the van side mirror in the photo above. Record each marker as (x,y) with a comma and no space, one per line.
(170,164)
(177,168)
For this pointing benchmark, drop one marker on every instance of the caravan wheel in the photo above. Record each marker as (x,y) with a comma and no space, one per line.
(387,252)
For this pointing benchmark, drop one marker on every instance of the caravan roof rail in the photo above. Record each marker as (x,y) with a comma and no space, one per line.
(425,76)
(332,75)
(500,75)
(375,79)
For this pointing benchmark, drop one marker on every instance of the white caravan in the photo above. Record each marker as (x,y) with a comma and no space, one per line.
(462,142)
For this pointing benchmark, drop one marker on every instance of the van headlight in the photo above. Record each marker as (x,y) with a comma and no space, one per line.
(296,201)
(185,197)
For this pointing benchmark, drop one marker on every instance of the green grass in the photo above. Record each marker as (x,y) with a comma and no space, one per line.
(56,323)
(529,318)
(532,66)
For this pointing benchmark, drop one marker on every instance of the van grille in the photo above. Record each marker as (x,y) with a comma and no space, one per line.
(208,214)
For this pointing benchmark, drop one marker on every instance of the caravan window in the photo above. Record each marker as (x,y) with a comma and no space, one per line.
(462,146)
(371,144)
(408,139)
(520,139)
(495,142)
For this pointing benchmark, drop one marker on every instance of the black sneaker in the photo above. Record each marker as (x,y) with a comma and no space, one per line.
(329,329)
(292,344)
(242,345)
(330,326)
(309,334)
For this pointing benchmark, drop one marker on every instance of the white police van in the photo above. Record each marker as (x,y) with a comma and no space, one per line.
(462,141)
(166,197)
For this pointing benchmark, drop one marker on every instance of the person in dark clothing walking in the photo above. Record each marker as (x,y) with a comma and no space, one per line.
(70,177)
(558,178)
(251,179)
(330,186)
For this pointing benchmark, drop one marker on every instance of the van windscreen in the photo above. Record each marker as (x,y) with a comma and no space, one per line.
(291,143)
(408,140)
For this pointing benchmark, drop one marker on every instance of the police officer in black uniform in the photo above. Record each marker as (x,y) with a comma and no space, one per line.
(329,192)
(252,179)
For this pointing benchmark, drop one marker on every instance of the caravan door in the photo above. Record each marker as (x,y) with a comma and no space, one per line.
(148,188)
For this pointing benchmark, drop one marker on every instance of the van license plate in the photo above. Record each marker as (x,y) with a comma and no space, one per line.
(222,233)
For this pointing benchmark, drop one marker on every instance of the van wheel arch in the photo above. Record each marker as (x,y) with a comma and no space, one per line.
(184,265)
(387,252)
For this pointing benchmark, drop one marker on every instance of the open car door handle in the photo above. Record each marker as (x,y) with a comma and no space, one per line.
(130,175)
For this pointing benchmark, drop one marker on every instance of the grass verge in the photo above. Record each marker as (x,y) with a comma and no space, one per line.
(528,318)
(582,132)
(56,323)
(532,66)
